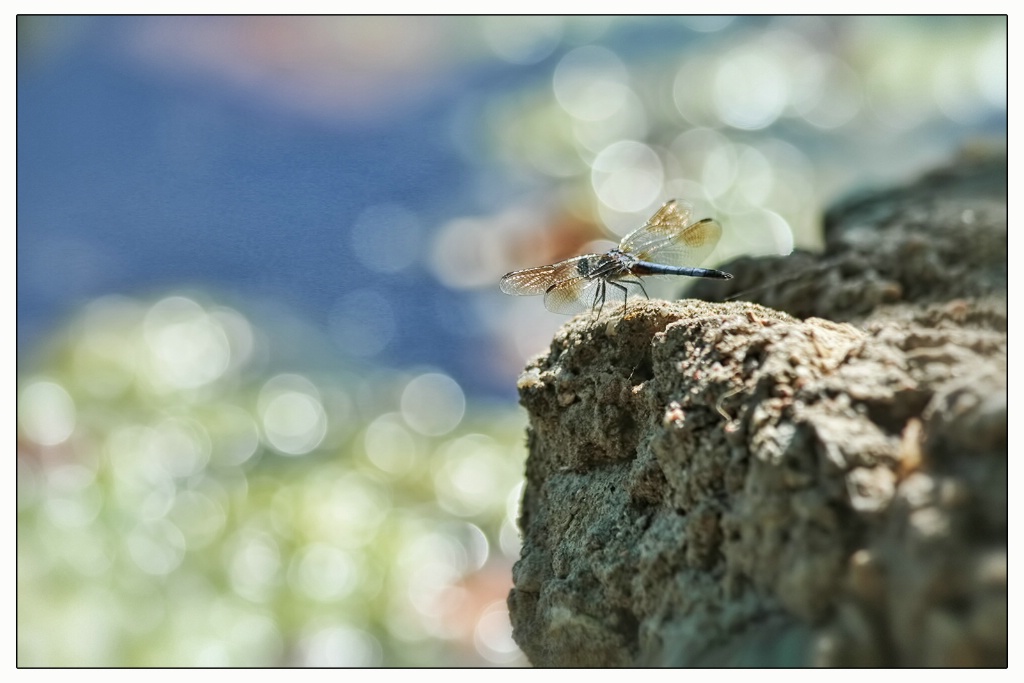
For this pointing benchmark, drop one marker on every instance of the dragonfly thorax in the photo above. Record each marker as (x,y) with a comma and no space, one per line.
(610,265)
(603,265)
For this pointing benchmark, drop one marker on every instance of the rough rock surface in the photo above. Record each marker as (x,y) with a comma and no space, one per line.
(726,484)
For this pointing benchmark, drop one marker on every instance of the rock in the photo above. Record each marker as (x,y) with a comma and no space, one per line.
(726,484)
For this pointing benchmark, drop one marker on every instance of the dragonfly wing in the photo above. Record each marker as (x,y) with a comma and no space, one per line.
(691,247)
(670,238)
(539,280)
(572,296)
(666,222)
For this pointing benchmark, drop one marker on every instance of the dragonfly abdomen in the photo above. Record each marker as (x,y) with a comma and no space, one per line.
(647,268)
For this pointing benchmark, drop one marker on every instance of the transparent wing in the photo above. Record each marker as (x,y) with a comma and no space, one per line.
(669,237)
(532,281)
(542,278)
(582,294)
(573,296)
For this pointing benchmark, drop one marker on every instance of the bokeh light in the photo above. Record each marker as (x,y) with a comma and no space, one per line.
(180,524)
(627,176)
(363,323)
(46,412)
(493,635)
(187,347)
(265,377)
(591,83)
(387,238)
(292,415)
(433,404)
(750,89)
(521,40)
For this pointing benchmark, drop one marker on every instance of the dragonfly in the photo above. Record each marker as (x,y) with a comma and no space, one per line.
(670,243)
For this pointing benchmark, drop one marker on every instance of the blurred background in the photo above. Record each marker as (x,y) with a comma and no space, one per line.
(266,380)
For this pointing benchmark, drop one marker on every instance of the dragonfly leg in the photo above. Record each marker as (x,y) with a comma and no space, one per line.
(625,294)
(600,297)
(642,289)
(639,283)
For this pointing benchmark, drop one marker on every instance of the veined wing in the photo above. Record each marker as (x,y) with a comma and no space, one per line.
(542,278)
(669,237)
(600,280)
(573,296)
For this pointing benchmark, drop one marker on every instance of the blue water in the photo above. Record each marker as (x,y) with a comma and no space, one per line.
(132,183)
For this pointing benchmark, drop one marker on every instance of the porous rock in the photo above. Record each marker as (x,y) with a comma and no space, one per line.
(728,484)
